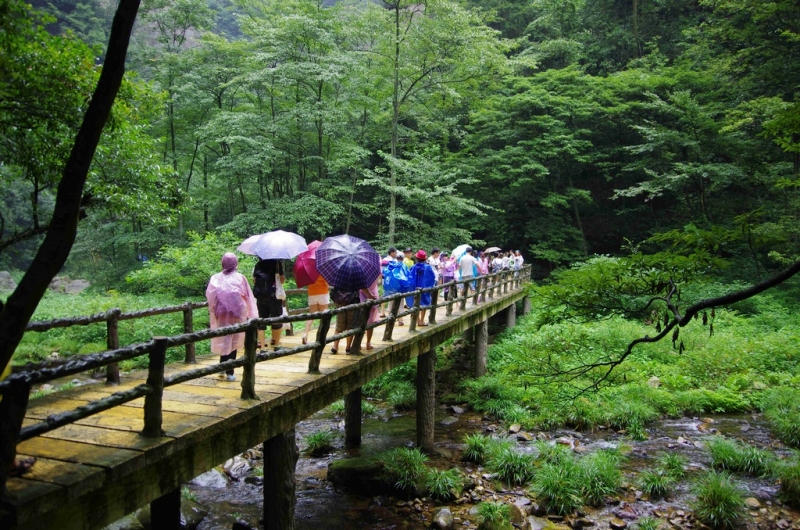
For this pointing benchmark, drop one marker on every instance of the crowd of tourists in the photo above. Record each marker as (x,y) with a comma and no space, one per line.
(231,300)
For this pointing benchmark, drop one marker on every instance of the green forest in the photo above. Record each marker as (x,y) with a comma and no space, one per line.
(566,129)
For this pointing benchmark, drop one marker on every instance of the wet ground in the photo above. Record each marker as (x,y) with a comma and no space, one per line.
(320,506)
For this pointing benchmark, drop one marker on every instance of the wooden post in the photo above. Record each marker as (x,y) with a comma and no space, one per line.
(165,511)
(526,305)
(352,419)
(280,459)
(322,335)
(155,379)
(426,399)
(412,326)
(387,332)
(361,324)
(477,290)
(188,327)
(249,375)
(450,301)
(112,343)
(511,316)
(492,284)
(12,412)
(434,302)
(481,347)
(463,305)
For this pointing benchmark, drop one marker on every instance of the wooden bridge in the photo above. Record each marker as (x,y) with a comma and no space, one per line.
(104,451)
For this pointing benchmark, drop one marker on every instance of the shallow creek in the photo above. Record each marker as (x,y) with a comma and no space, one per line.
(320,506)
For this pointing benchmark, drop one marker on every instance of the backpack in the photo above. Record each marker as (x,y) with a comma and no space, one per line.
(396,278)
(343,298)
(264,285)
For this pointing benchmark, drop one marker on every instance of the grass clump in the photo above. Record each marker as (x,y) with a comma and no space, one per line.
(188,494)
(403,396)
(337,407)
(648,523)
(493,516)
(782,409)
(600,475)
(477,448)
(789,474)
(320,442)
(511,467)
(559,487)
(719,502)
(673,463)
(404,467)
(443,485)
(552,453)
(735,456)
(656,483)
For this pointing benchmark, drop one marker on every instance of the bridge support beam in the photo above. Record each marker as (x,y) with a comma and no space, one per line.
(165,511)
(352,419)
(511,316)
(426,399)
(526,305)
(280,459)
(481,347)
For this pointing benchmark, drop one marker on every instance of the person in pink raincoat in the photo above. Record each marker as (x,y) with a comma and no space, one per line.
(230,301)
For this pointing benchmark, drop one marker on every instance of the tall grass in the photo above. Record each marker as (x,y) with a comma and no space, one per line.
(404,467)
(718,500)
(732,455)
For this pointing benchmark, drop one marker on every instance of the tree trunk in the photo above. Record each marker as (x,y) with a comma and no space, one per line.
(481,347)
(60,236)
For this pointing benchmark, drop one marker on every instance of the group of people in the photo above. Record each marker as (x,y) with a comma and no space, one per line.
(232,301)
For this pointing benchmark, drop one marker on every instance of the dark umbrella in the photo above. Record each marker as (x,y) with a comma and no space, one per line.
(348,263)
(305,267)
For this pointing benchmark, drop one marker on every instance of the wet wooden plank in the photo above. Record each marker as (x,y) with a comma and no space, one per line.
(78,479)
(109,438)
(117,462)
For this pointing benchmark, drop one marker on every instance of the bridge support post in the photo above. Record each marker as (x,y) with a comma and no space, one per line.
(468,335)
(481,347)
(526,305)
(165,511)
(352,419)
(426,399)
(112,343)
(511,316)
(280,459)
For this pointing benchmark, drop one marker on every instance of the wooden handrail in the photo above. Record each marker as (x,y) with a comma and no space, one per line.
(21,381)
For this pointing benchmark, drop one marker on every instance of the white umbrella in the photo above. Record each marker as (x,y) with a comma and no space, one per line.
(460,250)
(274,245)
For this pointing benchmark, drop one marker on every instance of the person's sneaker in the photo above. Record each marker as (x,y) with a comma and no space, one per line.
(230,378)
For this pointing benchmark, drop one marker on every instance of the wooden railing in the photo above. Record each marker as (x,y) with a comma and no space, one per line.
(16,388)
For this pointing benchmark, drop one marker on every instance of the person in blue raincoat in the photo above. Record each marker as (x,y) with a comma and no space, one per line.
(396,279)
(422,277)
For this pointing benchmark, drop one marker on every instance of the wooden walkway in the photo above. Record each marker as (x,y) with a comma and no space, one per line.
(98,469)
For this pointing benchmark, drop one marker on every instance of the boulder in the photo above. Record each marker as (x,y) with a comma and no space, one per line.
(617,524)
(443,519)
(537,523)
(76,286)
(457,410)
(654,382)
(7,283)
(515,428)
(752,503)
(192,514)
(211,479)
(236,467)
(524,437)
(517,514)
(449,420)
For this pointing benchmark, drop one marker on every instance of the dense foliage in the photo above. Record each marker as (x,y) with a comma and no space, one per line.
(563,128)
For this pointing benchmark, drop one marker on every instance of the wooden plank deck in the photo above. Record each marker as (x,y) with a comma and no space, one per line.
(99,469)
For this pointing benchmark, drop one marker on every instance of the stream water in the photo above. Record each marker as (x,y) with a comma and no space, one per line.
(321,506)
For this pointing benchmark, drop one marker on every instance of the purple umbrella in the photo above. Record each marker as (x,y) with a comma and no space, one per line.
(348,263)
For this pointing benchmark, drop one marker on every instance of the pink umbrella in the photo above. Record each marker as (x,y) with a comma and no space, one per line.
(305,267)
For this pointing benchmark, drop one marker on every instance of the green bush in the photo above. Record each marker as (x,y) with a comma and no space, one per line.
(403,396)
(493,516)
(559,487)
(789,475)
(657,483)
(443,485)
(381,386)
(552,453)
(601,476)
(404,467)
(337,407)
(719,502)
(320,442)
(673,463)
(512,467)
(648,523)
(477,448)
(736,456)
(782,409)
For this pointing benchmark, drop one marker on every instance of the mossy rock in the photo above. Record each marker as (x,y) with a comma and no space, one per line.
(363,476)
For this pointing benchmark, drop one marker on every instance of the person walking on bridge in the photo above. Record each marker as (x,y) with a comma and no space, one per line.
(230,301)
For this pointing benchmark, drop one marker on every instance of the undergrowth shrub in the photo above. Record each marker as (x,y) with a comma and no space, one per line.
(493,516)
(511,467)
(601,475)
(402,396)
(443,485)
(732,455)
(648,523)
(404,467)
(718,500)
(656,483)
(320,442)
(782,408)
(789,474)
(559,486)
(673,463)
